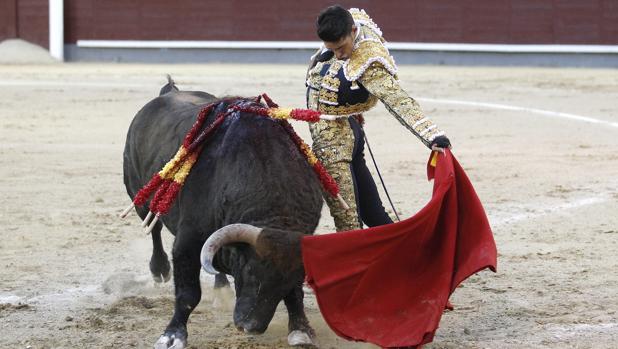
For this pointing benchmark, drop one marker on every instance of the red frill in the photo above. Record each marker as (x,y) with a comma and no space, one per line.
(154,203)
(144,193)
(305,115)
(197,125)
(164,205)
(166,191)
(328,182)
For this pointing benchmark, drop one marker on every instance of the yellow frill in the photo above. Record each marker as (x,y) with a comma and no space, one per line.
(166,172)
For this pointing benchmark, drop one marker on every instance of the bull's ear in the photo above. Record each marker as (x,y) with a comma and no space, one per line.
(221,261)
(282,248)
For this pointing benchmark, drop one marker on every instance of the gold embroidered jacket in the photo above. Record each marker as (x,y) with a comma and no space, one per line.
(354,86)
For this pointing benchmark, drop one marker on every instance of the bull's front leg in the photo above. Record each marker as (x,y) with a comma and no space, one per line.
(300,332)
(186,257)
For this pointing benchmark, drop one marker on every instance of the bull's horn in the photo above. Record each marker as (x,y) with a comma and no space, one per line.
(228,234)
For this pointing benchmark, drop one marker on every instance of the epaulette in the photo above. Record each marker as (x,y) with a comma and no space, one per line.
(360,16)
(365,53)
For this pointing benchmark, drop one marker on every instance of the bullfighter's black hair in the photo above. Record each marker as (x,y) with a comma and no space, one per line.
(333,23)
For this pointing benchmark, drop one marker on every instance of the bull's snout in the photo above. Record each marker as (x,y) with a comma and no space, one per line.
(251,327)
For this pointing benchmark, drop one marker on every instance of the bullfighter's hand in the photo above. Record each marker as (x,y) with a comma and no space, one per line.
(440,143)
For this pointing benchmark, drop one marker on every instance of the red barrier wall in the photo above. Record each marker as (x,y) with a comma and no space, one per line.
(8,19)
(25,19)
(457,21)
(454,21)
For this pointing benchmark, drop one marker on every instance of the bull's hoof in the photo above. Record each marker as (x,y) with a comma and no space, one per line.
(170,341)
(161,277)
(299,338)
(160,269)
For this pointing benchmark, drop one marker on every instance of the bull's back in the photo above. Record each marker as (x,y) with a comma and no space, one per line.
(256,175)
(250,171)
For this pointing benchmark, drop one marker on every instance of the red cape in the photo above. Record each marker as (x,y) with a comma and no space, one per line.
(389,285)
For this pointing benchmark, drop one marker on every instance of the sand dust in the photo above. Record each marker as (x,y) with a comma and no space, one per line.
(72,275)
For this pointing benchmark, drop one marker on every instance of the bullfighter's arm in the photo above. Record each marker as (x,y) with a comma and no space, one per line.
(382,84)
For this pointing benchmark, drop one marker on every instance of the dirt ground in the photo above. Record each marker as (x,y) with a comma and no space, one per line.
(73,275)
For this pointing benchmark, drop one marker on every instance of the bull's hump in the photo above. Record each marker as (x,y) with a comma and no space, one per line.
(190,98)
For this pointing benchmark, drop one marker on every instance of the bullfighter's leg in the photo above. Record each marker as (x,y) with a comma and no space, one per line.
(299,331)
(370,206)
(334,147)
(159,264)
(344,219)
(186,255)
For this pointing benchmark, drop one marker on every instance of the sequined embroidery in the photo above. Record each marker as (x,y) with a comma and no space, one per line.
(367,53)
(368,48)
(331,83)
(380,83)
(327,97)
(361,17)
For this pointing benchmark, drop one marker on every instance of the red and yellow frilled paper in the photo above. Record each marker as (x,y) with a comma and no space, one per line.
(167,183)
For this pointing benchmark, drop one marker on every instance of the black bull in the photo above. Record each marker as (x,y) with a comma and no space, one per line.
(249,172)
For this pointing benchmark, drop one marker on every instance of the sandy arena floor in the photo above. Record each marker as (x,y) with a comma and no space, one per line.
(72,275)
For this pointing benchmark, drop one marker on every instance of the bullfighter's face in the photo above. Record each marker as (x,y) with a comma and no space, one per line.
(343,47)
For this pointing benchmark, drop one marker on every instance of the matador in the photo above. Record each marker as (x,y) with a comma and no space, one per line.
(347,76)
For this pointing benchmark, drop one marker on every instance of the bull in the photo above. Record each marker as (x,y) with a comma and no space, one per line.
(251,189)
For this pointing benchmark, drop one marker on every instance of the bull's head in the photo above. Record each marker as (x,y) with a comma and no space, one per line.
(263,273)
